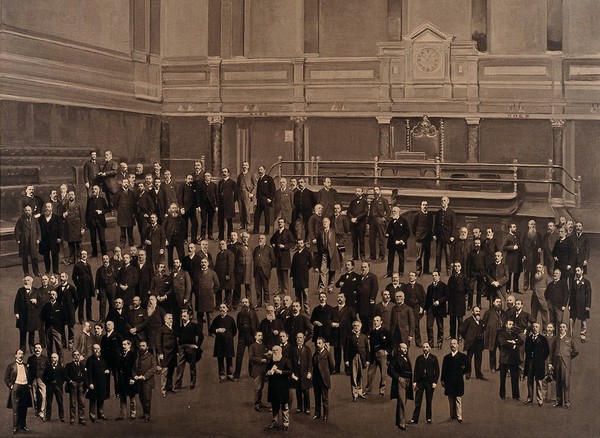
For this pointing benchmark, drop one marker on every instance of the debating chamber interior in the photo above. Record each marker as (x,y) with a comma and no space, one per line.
(493,103)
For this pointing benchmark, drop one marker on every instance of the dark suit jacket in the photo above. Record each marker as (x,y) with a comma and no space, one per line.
(264,260)
(358,209)
(256,353)
(357,345)
(323,314)
(301,360)
(324,364)
(348,284)
(92,218)
(436,293)
(402,325)
(399,366)
(344,317)
(509,352)
(226,194)
(145,365)
(167,346)
(557,293)
(304,202)
(397,229)
(427,371)
(265,189)
(471,331)
(366,294)
(422,226)
(51,231)
(76,373)
(536,353)
(224,268)
(444,225)
(186,197)
(300,267)
(453,369)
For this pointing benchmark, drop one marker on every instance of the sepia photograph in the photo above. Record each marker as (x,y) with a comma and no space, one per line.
(259,218)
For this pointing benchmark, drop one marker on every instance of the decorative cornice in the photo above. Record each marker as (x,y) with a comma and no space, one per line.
(216,120)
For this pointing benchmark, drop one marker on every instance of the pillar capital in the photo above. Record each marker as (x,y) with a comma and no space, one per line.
(472,120)
(384,120)
(298,119)
(216,120)
(558,123)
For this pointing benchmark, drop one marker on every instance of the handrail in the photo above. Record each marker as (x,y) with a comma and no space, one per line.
(446,164)
(377,166)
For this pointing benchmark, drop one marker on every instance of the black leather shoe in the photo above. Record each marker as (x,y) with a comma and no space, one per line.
(25,429)
(527,402)
(315,417)
(15,430)
(413,422)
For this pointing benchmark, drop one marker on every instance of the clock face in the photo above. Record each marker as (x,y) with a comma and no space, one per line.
(428,60)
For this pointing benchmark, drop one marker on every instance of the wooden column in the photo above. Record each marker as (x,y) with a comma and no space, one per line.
(298,143)
(473,140)
(557,154)
(216,144)
(385,150)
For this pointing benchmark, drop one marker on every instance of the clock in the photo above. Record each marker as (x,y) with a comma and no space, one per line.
(428,60)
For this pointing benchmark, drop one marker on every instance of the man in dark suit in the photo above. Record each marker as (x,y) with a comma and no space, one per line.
(190,340)
(265,195)
(278,373)
(454,367)
(321,319)
(342,317)
(356,354)
(400,370)
(444,228)
(282,242)
(513,258)
(300,267)
(564,254)
(402,325)
(27,308)
(77,383)
(95,220)
(167,354)
(341,224)
(54,378)
(427,373)
(435,308)
(509,341)
(562,351)
(379,210)
(422,229)
(414,294)
(490,247)
(187,201)
(301,378)
(357,213)
(476,273)
(16,379)
(51,229)
(380,343)
(247,325)
(580,302)
(304,202)
(257,364)
(53,317)
(84,282)
(348,284)
(264,261)
(397,234)
(125,203)
(557,296)
(108,177)
(322,367)
(207,200)
(581,244)
(91,169)
(144,371)
(28,236)
(224,328)
(472,332)
(366,294)
(226,194)
(127,281)
(497,276)
(537,351)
